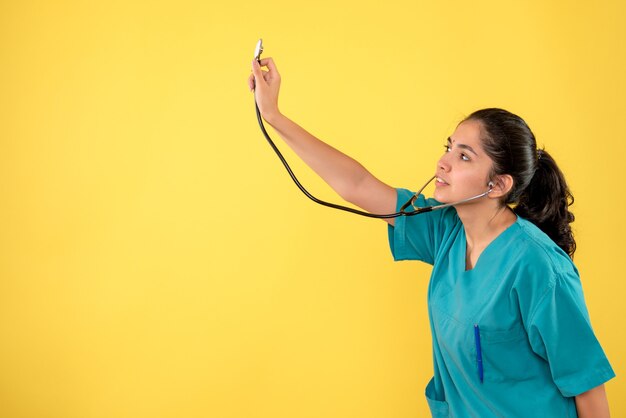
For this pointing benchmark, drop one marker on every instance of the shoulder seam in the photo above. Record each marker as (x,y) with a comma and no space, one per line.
(555,268)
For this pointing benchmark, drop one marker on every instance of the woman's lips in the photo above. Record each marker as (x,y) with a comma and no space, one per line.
(440,182)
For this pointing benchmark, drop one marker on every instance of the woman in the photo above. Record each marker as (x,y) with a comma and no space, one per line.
(511,333)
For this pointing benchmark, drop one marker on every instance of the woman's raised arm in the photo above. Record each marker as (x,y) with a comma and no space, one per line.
(353,182)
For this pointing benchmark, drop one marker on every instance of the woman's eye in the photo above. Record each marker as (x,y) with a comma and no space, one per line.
(462,155)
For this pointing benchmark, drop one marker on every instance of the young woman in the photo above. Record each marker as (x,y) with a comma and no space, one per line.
(510,329)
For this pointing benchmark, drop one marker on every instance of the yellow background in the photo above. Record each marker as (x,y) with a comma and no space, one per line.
(157,261)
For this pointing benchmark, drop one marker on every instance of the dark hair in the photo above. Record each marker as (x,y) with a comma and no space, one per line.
(539,193)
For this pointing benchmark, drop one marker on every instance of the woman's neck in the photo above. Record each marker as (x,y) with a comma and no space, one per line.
(482,224)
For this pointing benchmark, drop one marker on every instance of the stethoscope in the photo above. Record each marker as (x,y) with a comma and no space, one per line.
(403,209)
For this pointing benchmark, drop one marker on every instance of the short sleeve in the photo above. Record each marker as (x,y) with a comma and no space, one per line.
(417,237)
(560,332)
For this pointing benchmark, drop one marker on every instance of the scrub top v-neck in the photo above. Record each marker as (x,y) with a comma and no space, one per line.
(524,295)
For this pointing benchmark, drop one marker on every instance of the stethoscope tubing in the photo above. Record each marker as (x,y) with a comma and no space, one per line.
(403,212)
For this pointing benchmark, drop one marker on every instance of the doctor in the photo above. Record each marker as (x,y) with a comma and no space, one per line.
(510,328)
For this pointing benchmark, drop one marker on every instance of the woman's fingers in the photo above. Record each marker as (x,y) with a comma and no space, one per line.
(252,77)
(269,63)
(267,75)
(272,74)
(256,71)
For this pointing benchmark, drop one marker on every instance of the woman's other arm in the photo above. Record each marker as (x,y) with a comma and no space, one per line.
(593,403)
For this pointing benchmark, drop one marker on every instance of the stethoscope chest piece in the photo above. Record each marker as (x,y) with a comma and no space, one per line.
(258,50)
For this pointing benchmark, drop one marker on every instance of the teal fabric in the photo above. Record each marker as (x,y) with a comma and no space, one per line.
(538,347)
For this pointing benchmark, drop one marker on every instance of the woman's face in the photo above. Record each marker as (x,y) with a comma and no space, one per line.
(463,170)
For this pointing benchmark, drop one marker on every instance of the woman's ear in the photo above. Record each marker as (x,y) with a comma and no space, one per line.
(500,186)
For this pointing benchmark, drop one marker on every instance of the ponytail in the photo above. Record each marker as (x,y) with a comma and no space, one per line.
(545,202)
(540,193)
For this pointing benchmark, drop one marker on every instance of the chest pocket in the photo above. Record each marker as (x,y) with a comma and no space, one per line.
(507,356)
(506,353)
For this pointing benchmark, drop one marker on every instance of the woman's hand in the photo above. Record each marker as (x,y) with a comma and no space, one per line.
(266,85)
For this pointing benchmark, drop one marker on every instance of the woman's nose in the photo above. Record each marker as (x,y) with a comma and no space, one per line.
(443,165)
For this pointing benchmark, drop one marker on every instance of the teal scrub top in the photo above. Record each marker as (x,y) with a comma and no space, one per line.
(538,348)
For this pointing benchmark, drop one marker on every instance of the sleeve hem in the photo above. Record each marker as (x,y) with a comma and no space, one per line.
(396,239)
(580,386)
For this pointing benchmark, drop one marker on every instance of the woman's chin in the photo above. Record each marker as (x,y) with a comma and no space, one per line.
(440,197)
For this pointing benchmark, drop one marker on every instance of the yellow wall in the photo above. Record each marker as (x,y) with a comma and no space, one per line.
(157,261)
